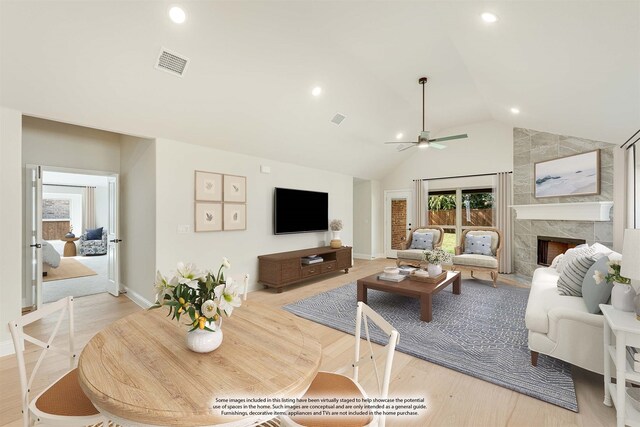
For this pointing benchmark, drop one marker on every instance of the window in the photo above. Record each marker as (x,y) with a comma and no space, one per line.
(442,212)
(477,208)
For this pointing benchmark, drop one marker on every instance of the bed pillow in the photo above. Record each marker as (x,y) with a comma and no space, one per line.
(94,234)
(422,241)
(478,244)
(573,274)
(593,293)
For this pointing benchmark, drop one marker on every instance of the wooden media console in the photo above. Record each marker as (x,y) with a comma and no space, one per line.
(286,268)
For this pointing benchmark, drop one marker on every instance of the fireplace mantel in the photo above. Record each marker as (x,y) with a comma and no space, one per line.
(583,211)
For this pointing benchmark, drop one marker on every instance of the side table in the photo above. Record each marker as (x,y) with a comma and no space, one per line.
(625,329)
(70,246)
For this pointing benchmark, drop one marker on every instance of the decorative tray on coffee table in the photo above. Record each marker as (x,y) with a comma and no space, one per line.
(428,279)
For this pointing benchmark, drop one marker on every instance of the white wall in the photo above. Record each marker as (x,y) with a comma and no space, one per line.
(362,226)
(488,149)
(102,207)
(12,247)
(137,217)
(51,143)
(377,220)
(175,165)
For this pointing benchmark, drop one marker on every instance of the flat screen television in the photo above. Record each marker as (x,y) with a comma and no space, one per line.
(300,211)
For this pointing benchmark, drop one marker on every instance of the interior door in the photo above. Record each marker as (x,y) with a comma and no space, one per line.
(398,215)
(113,268)
(32,289)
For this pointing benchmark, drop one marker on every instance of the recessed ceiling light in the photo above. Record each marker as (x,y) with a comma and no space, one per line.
(399,135)
(316,91)
(515,110)
(489,17)
(177,15)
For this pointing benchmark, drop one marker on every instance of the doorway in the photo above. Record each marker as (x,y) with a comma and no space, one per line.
(398,214)
(72,234)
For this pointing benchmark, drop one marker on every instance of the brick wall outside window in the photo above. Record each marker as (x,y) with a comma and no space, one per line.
(398,223)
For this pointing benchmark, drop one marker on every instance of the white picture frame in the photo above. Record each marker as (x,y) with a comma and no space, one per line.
(208,186)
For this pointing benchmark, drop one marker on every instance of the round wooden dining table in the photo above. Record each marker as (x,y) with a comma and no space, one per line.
(138,370)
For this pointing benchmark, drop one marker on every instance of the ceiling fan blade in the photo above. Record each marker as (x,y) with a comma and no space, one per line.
(449,138)
(407,147)
(400,142)
(437,146)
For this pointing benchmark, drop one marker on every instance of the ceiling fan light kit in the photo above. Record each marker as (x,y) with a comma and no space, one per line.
(423,139)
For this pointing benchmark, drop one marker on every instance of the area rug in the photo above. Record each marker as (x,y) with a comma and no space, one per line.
(480,333)
(69,268)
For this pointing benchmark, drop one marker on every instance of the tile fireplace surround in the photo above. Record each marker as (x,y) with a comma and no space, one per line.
(530,147)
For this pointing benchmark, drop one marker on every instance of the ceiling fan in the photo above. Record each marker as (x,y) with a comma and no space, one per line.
(423,139)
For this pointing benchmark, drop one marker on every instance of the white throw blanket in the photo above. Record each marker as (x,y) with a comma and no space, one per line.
(50,255)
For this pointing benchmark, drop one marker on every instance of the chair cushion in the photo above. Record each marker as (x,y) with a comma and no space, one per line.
(475,260)
(480,244)
(330,385)
(422,241)
(594,293)
(494,237)
(413,254)
(66,398)
(572,276)
(94,234)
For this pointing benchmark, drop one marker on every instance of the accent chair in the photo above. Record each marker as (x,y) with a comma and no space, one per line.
(409,255)
(479,250)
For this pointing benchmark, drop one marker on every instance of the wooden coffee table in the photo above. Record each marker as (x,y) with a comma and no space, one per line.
(411,288)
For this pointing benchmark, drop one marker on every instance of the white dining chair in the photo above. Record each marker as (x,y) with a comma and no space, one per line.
(62,403)
(336,384)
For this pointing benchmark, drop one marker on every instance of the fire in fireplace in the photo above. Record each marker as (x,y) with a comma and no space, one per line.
(550,247)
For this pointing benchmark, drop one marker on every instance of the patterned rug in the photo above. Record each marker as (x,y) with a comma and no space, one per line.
(480,333)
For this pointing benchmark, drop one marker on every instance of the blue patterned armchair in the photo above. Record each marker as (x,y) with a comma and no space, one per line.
(92,247)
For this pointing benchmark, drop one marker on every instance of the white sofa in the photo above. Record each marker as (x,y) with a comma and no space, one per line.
(560,326)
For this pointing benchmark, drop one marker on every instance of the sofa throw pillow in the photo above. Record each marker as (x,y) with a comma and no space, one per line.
(94,234)
(556,260)
(593,293)
(573,274)
(570,254)
(422,241)
(480,245)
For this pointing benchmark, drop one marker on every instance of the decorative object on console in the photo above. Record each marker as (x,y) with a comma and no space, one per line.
(622,294)
(575,175)
(203,297)
(435,258)
(208,216)
(235,189)
(70,233)
(208,186)
(631,254)
(335,226)
(235,216)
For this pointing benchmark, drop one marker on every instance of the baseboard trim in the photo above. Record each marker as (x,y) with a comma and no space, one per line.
(362,256)
(137,298)
(6,348)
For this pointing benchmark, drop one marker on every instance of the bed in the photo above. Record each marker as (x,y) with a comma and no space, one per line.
(50,258)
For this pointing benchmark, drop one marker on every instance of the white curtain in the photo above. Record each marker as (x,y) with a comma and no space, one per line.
(421,205)
(504,223)
(89,211)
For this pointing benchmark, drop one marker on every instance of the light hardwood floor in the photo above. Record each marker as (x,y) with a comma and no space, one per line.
(452,399)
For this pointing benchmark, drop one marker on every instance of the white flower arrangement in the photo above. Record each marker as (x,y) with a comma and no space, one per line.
(436,256)
(202,296)
(613,274)
(335,225)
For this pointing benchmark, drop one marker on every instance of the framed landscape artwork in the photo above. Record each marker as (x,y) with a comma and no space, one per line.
(235,189)
(575,175)
(208,186)
(208,216)
(235,216)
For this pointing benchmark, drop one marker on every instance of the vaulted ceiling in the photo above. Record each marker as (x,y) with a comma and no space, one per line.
(570,67)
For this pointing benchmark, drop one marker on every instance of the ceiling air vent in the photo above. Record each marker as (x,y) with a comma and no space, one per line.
(171,62)
(338,118)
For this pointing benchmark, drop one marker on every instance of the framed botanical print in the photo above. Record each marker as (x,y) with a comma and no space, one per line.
(208,216)
(235,189)
(235,216)
(575,175)
(208,186)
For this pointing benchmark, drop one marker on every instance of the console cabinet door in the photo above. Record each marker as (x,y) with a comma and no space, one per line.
(343,258)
